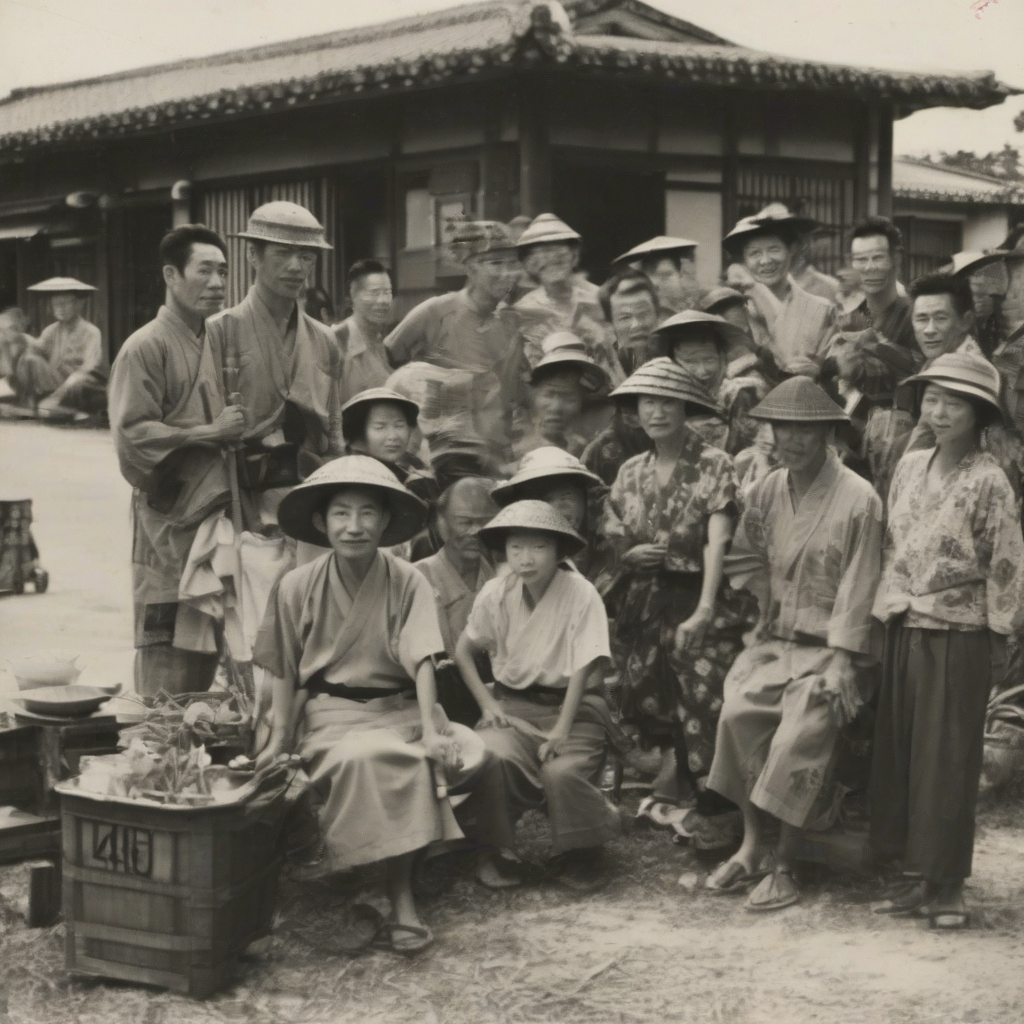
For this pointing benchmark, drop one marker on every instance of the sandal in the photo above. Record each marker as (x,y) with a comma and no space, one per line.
(421,937)
(731,877)
(774,892)
(911,901)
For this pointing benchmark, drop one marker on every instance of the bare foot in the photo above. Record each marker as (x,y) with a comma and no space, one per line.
(489,874)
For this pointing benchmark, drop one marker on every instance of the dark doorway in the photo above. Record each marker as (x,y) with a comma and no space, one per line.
(613,209)
(362,229)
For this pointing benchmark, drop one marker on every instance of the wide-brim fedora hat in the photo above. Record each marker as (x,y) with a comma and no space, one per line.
(798,400)
(654,248)
(295,513)
(564,351)
(665,378)
(963,373)
(692,322)
(285,223)
(547,463)
(357,408)
(546,227)
(775,218)
(537,516)
(62,286)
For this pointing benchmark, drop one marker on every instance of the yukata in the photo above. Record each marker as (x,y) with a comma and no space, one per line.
(364,361)
(162,384)
(71,358)
(539,316)
(814,569)
(796,330)
(953,572)
(668,696)
(352,649)
(535,651)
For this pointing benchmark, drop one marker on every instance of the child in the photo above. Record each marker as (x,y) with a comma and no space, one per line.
(546,729)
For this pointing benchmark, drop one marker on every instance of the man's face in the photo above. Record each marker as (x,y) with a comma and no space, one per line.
(354,522)
(372,298)
(557,402)
(938,327)
(799,446)
(874,262)
(66,306)
(493,274)
(670,281)
(702,357)
(570,500)
(768,258)
(462,520)
(736,314)
(550,262)
(200,287)
(634,318)
(532,556)
(282,269)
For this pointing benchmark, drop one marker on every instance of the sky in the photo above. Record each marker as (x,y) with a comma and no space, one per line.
(61,40)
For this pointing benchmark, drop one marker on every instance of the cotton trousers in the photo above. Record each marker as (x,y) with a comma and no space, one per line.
(929,745)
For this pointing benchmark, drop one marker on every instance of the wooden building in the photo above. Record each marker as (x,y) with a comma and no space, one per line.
(623,120)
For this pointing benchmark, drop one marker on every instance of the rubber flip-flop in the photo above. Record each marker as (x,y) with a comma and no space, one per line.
(771,883)
(422,935)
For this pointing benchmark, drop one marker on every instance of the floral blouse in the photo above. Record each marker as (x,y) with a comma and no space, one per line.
(954,559)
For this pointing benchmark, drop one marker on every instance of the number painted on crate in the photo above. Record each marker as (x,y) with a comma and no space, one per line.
(122,848)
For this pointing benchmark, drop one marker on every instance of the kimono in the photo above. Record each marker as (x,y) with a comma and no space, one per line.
(454,598)
(953,571)
(664,694)
(364,361)
(162,383)
(534,652)
(69,358)
(796,330)
(354,648)
(814,569)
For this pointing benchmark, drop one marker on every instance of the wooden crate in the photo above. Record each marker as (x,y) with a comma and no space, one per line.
(164,895)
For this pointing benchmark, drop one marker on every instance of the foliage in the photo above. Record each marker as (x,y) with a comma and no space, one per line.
(1004,163)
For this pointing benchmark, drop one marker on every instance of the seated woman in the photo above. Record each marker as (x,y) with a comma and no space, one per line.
(546,631)
(348,641)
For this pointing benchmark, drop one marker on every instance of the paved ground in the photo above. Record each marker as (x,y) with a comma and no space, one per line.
(647,949)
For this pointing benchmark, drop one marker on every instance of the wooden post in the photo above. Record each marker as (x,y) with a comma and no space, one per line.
(730,165)
(534,151)
(886,114)
(44,894)
(862,159)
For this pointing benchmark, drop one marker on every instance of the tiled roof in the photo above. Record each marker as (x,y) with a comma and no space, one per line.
(922,179)
(454,44)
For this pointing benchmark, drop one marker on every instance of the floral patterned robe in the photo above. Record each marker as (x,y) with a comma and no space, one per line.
(663,692)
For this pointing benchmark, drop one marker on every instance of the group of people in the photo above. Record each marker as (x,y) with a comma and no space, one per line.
(720,524)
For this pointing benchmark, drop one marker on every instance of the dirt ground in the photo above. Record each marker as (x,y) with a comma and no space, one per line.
(647,948)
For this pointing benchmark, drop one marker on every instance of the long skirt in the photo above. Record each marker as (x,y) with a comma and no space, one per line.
(777,739)
(929,744)
(375,780)
(514,781)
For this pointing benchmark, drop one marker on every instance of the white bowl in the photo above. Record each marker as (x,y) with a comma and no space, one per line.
(34,673)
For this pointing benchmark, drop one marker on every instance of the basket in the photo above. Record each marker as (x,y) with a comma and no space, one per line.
(167,896)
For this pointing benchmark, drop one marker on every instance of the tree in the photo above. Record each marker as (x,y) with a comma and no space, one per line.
(1004,163)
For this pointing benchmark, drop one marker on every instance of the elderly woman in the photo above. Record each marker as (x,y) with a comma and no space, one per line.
(708,347)
(794,325)
(564,301)
(669,518)
(952,590)
(348,642)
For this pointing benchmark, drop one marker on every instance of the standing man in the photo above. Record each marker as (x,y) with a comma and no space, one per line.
(66,366)
(671,265)
(287,361)
(364,360)
(168,421)
(630,304)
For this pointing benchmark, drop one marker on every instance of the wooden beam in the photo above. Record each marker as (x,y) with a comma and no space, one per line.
(862,161)
(730,164)
(885,153)
(534,150)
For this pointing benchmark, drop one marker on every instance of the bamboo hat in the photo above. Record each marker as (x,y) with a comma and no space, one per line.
(775,218)
(546,227)
(692,323)
(295,513)
(665,378)
(532,515)
(548,463)
(654,248)
(721,297)
(62,286)
(285,224)
(357,408)
(798,400)
(564,351)
(965,374)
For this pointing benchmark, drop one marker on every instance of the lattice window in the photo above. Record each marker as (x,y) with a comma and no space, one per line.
(928,244)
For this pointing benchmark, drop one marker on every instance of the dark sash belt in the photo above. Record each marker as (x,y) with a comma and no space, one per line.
(361,694)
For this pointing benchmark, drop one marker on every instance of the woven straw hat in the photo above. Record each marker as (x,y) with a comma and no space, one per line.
(532,515)
(963,264)
(798,400)
(477,237)
(965,374)
(546,227)
(543,464)
(357,408)
(285,224)
(662,245)
(684,326)
(667,379)
(295,513)
(721,296)
(564,351)
(61,286)
(774,216)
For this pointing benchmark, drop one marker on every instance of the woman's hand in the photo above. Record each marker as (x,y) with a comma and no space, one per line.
(493,717)
(442,750)
(645,556)
(839,687)
(274,748)
(690,634)
(553,745)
